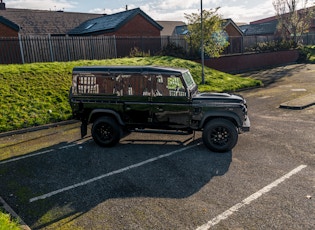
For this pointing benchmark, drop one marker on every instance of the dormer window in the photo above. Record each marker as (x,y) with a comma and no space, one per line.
(90,26)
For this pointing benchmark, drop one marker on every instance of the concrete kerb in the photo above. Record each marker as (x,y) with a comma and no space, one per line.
(37,128)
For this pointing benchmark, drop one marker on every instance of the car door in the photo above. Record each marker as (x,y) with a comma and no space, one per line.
(170,103)
(136,91)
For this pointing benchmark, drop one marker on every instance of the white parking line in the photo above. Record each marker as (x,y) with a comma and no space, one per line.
(249,199)
(36,154)
(110,174)
(26,156)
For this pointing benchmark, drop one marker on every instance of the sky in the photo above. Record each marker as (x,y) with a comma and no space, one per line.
(239,11)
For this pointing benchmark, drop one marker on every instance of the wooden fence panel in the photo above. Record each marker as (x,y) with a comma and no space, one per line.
(64,48)
(10,51)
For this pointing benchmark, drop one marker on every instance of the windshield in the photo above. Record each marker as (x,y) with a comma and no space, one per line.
(189,80)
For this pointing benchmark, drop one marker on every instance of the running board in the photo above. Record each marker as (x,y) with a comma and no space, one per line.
(158,131)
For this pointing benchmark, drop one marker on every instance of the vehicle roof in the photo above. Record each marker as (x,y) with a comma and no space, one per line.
(128,69)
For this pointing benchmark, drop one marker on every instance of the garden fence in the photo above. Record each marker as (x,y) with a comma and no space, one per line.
(29,49)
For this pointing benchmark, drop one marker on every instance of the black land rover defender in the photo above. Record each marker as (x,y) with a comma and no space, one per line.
(128,98)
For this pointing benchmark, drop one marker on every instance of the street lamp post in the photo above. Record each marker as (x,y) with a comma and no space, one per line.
(202,46)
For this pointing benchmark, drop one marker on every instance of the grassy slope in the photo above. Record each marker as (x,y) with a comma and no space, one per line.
(6,222)
(35,94)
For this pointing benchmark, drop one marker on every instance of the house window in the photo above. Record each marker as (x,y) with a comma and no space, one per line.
(90,26)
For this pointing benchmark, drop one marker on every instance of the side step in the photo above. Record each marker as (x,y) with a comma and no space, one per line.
(160,131)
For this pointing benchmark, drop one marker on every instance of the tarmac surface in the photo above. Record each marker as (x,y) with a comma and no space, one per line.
(288,87)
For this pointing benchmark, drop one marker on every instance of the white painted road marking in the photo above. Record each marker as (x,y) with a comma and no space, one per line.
(249,199)
(110,174)
(26,156)
(36,154)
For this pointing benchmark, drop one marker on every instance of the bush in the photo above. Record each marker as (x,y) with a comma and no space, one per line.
(173,50)
(305,54)
(137,52)
(272,46)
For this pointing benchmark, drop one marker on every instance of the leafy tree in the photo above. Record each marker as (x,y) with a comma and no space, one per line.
(214,36)
(292,23)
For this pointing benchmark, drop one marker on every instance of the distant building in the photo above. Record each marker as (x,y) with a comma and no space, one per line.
(267,26)
(171,28)
(127,23)
(39,22)
(14,22)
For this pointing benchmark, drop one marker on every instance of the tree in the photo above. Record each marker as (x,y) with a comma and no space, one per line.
(214,36)
(292,23)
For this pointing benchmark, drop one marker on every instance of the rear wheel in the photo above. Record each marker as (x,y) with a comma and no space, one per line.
(220,135)
(106,131)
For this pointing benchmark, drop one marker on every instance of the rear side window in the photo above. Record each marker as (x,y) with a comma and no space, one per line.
(85,84)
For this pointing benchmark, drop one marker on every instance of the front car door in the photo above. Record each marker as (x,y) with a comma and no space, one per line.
(171,105)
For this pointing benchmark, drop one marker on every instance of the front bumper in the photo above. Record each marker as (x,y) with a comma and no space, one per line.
(246,125)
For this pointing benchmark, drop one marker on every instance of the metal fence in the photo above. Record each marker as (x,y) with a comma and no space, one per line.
(29,49)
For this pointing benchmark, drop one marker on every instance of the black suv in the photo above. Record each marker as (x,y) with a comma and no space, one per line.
(129,98)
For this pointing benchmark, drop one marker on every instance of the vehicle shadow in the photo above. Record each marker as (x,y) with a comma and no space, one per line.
(176,175)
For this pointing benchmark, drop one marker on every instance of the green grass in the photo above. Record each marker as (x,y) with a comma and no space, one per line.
(36,94)
(311,51)
(6,223)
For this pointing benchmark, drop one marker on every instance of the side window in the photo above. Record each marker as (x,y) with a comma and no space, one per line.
(168,85)
(107,83)
(146,84)
(160,86)
(134,84)
(175,86)
(87,84)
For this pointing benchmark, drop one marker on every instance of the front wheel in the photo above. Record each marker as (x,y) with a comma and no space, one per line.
(220,135)
(106,131)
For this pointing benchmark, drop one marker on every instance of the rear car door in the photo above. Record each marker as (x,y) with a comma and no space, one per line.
(135,91)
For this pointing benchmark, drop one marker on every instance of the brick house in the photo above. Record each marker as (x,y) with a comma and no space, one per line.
(127,23)
(233,33)
(234,36)
(33,24)
(131,29)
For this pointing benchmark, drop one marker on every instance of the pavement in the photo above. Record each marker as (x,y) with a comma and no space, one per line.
(299,90)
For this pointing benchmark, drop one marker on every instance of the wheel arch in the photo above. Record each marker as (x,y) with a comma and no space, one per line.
(96,113)
(234,118)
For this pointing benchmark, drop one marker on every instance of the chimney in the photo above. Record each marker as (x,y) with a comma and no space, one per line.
(2,5)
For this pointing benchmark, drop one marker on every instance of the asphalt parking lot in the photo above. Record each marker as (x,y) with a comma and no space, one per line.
(54,180)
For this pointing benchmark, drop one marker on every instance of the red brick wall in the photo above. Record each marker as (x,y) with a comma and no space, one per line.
(138,26)
(232,31)
(6,31)
(246,62)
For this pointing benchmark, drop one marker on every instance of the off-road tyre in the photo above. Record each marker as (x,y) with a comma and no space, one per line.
(106,132)
(220,135)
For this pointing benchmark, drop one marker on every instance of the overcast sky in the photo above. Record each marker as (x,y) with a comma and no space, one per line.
(238,10)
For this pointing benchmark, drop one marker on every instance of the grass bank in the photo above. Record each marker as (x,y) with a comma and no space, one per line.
(36,94)
(6,223)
